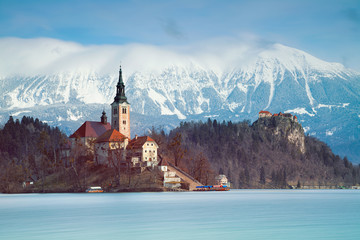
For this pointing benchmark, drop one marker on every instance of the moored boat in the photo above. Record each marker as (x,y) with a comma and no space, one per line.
(94,190)
(212,188)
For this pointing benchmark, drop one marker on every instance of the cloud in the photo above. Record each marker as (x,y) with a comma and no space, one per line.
(49,56)
(353,15)
(172,29)
(29,57)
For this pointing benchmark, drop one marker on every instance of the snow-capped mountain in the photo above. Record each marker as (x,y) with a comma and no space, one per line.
(174,86)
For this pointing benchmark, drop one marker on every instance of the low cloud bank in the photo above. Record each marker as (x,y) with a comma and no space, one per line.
(28,57)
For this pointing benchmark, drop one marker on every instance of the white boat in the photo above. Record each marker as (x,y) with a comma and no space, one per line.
(94,190)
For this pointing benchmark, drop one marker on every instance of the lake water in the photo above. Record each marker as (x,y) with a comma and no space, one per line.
(238,214)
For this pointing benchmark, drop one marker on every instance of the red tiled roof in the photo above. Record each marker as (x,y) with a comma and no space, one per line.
(91,129)
(276,114)
(266,112)
(138,142)
(111,135)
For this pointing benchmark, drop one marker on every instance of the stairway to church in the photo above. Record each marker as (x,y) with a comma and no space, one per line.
(185,177)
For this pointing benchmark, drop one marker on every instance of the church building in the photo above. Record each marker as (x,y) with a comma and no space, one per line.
(106,141)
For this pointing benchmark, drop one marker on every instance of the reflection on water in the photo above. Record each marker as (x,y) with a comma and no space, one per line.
(238,214)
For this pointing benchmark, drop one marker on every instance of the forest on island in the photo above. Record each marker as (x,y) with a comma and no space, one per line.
(250,155)
(33,151)
(29,149)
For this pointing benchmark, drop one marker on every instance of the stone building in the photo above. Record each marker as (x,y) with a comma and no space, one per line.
(88,132)
(267,114)
(222,180)
(264,114)
(112,141)
(142,151)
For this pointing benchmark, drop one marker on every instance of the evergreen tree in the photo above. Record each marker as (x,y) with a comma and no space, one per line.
(262,176)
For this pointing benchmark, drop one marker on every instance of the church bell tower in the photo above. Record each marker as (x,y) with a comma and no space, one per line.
(120,109)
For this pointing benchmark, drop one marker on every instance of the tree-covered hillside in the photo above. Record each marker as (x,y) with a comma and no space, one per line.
(270,153)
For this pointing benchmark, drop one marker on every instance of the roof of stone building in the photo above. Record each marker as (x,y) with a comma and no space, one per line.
(138,142)
(266,112)
(111,135)
(91,129)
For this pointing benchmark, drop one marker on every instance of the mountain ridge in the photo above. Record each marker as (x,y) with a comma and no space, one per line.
(277,78)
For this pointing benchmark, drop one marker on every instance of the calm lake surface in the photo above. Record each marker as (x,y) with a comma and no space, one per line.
(238,214)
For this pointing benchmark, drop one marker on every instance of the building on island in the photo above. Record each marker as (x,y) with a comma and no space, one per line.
(120,109)
(107,141)
(222,180)
(111,144)
(142,151)
(89,132)
(171,179)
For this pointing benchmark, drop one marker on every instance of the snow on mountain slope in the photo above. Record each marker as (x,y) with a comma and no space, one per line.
(187,86)
(232,82)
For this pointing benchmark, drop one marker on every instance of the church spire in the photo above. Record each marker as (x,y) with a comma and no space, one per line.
(120,90)
(120,109)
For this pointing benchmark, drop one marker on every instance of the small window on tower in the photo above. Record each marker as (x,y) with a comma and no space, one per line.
(115,110)
(124,122)
(124,110)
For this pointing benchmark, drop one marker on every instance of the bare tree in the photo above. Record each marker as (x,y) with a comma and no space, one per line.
(78,157)
(116,156)
(177,149)
(201,169)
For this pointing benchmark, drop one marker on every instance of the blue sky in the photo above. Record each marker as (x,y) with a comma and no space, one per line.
(327,29)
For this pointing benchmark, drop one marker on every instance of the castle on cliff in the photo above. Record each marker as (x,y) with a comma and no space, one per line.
(267,114)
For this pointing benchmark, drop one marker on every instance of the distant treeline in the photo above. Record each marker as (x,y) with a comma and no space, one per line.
(252,156)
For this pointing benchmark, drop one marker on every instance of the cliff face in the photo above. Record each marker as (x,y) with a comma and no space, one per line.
(282,127)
